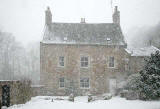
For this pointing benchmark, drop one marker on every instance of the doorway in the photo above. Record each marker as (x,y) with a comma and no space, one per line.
(112,86)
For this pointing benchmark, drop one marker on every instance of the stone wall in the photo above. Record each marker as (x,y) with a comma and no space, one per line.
(13,90)
(98,71)
(17,93)
(136,63)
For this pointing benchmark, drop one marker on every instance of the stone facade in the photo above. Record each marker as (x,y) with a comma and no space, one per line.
(98,70)
(136,63)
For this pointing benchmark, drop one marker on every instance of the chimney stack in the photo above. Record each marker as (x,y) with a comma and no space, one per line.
(48,17)
(116,16)
(83,20)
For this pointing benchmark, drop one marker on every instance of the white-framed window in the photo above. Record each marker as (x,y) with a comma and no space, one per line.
(111,62)
(84,61)
(61,61)
(61,82)
(84,82)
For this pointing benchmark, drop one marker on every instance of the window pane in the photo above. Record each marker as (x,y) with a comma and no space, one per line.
(61,58)
(84,61)
(84,82)
(61,82)
(61,61)
(82,58)
(61,79)
(111,62)
(86,64)
(87,79)
(87,85)
(82,64)
(81,80)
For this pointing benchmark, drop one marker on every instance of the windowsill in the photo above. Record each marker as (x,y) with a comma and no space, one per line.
(84,88)
(84,67)
(61,88)
(61,66)
(112,67)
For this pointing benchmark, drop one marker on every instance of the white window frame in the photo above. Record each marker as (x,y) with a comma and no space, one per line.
(84,61)
(59,61)
(60,83)
(84,83)
(109,62)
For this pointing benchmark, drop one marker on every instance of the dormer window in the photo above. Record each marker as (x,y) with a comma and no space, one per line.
(65,39)
(108,39)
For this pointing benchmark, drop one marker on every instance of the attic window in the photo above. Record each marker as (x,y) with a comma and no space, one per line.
(65,39)
(108,39)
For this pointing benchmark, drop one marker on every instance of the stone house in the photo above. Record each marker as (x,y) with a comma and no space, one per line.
(82,58)
(137,57)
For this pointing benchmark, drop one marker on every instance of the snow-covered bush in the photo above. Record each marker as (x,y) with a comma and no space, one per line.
(132,95)
(146,83)
(4,107)
(71,97)
(150,78)
(107,96)
(123,93)
(90,98)
(133,82)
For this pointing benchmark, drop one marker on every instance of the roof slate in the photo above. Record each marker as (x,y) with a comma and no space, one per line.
(84,33)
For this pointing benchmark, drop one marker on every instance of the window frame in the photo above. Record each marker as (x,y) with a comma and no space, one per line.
(59,61)
(84,61)
(84,83)
(61,82)
(109,62)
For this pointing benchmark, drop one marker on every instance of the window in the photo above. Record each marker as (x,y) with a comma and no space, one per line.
(84,61)
(61,82)
(84,82)
(111,61)
(61,61)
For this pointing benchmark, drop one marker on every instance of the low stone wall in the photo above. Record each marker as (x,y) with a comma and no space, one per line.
(37,90)
(13,90)
(20,91)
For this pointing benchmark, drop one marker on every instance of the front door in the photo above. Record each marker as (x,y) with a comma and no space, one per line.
(112,86)
(6,95)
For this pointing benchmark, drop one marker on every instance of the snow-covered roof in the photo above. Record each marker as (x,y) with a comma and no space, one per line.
(84,33)
(145,51)
(8,80)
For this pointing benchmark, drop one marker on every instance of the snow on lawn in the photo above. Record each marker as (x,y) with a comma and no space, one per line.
(81,103)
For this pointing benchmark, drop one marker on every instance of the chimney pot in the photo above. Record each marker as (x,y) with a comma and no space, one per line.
(83,20)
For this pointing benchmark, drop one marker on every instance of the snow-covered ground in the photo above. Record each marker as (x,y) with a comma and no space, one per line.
(81,103)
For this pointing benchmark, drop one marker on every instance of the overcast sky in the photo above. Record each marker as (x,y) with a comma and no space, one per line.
(25,18)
